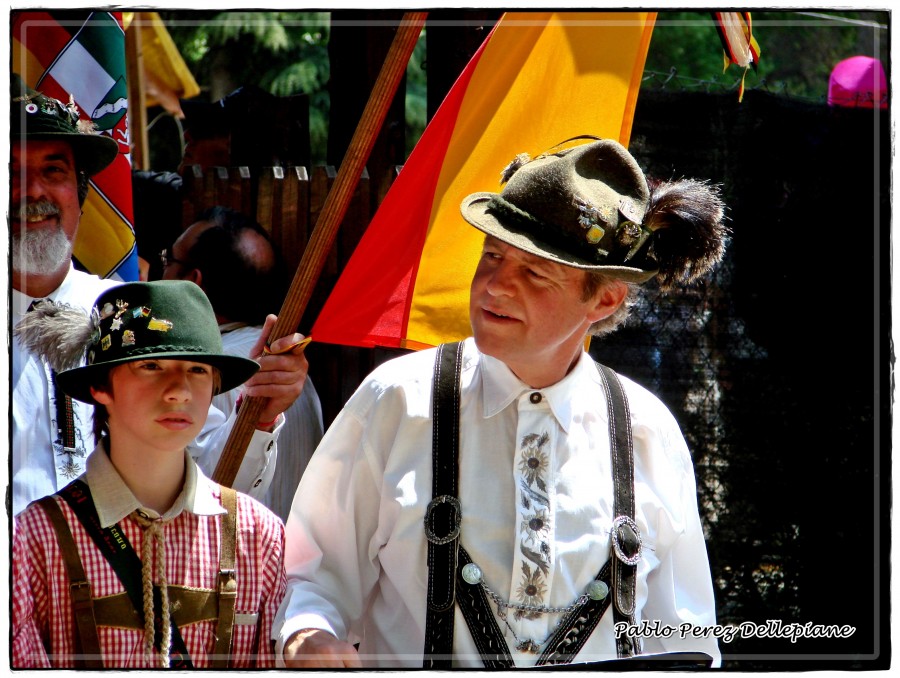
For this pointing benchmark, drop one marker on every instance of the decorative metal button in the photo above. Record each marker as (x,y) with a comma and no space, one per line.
(535,397)
(597,590)
(471,573)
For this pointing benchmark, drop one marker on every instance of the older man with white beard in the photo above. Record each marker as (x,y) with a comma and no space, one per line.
(52,158)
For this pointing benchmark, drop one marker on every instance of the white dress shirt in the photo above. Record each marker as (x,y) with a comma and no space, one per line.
(355,547)
(40,468)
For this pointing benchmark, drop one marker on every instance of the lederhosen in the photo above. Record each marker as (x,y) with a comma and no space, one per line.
(125,610)
(447,557)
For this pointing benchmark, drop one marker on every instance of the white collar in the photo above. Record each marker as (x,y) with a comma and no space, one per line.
(114,500)
(502,387)
(21,301)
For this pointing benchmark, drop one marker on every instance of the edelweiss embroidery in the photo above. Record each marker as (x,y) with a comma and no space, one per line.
(534,524)
(534,462)
(70,468)
(531,591)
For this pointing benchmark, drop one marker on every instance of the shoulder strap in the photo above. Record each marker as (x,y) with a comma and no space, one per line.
(227,588)
(443,515)
(87,641)
(625,537)
(115,547)
(482,623)
(444,552)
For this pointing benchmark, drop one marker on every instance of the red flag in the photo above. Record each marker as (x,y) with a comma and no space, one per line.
(82,54)
(538,79)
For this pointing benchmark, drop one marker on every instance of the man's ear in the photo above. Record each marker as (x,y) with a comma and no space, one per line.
(195,276)
(608,298)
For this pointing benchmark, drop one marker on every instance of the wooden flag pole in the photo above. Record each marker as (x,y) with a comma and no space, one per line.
(325,231)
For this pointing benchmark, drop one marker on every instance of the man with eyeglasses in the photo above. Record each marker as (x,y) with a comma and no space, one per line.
(52,158)
(233,260)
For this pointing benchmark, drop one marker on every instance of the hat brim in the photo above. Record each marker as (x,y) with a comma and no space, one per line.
(93,152)
(475,210)
(234,371)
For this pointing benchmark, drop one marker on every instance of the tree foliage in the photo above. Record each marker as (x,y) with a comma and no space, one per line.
(798,49)
(285,53)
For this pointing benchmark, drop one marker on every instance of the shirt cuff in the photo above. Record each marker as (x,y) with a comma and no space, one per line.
(291,626)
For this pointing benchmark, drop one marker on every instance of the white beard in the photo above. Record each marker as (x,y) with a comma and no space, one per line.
(40,251)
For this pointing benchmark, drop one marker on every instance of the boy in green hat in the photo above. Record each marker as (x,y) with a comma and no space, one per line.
(143,561)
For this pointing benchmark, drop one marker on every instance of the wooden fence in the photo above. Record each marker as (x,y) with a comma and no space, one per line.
(286,201)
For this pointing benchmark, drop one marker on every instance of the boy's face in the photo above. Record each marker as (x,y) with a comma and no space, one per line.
(158,404)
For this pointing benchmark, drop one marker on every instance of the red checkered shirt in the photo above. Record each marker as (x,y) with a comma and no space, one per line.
(43,625)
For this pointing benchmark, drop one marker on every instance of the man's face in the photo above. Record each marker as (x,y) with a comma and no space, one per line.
(44,210)
(178,262)
(529,313)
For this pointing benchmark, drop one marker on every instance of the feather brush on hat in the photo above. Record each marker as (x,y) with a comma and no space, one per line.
(59,333)
(686,217)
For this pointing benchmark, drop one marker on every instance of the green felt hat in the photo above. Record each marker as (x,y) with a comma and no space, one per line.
(163,319)
(581,207)
(35,116)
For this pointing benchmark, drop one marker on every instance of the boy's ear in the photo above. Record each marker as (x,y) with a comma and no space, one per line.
(101,396)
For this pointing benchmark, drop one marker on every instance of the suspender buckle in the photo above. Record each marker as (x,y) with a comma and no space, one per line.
(626,540)
(81,594)
(227,583)
(455,519)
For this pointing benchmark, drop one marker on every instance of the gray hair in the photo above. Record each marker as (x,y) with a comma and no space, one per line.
(594,281)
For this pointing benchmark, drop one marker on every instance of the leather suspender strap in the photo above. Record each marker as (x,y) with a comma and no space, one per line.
(87,641)
(119,553)
(619,572)
(481,622)
(573,633)
(625,537)
(227,583)
(443,515)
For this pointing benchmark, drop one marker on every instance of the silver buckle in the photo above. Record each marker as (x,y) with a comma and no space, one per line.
(433,504)
(619,548)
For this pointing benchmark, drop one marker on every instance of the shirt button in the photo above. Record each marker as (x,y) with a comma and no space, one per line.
(269,447)
(535,397)
(258,481)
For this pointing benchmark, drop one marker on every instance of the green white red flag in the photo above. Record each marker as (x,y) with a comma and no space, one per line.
(82,54)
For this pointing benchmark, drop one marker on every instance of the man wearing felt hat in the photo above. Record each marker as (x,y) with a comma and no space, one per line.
(505,501)
(53,156)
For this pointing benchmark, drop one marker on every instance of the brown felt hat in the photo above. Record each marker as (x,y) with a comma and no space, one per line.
(35,116)
(582,207)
